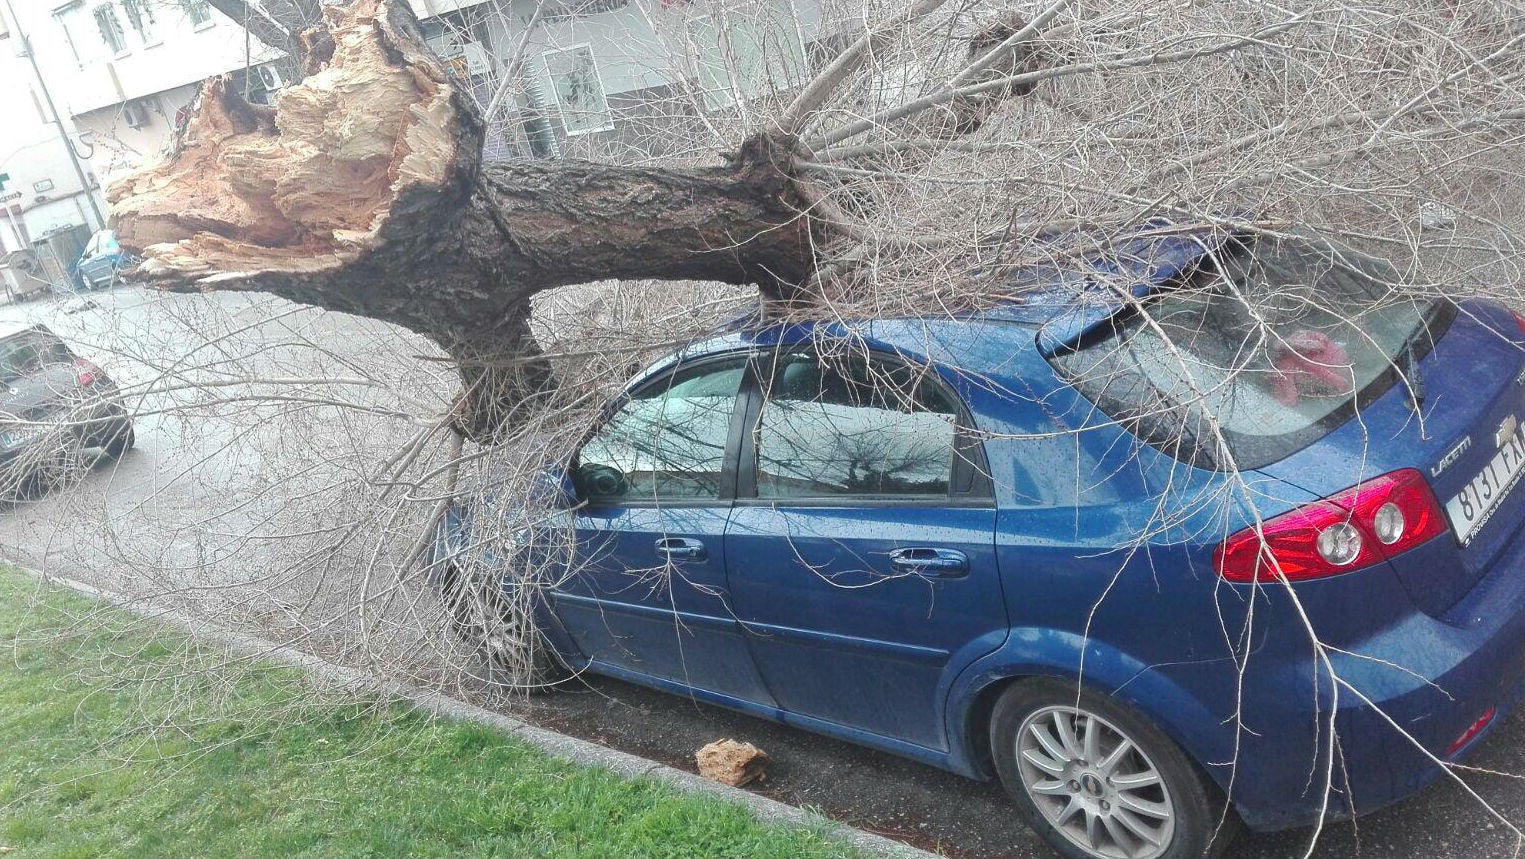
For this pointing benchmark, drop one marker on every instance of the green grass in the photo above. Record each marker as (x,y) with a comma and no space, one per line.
(122,738)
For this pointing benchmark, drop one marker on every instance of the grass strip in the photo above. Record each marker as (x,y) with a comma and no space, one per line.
(121,737)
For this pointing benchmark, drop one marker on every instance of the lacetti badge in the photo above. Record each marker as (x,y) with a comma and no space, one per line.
(1505,431)
(1451,456)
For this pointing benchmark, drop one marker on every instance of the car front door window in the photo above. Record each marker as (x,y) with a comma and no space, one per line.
(667,442)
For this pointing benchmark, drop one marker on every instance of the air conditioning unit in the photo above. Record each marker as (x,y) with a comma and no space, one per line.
(135,114)
(270,77)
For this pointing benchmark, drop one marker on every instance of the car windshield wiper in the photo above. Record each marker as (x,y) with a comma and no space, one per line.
(1437,317)
(1408,368)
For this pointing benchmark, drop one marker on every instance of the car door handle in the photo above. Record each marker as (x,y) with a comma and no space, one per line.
(681,548)
(930,562)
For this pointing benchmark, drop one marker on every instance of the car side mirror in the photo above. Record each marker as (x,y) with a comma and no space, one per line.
(554,489)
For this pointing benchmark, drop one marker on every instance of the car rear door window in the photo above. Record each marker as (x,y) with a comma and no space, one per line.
(667,441)
(850,425)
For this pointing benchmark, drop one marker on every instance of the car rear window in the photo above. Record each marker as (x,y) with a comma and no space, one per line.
(29,352)
(1277,339)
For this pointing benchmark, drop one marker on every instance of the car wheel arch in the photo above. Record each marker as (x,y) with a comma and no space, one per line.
(1140,687)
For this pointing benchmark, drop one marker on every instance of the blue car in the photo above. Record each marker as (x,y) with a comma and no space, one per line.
(103,260)
(1214,531)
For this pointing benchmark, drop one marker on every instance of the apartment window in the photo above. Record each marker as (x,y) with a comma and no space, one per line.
(197,10)
(68,21)
(140,15)
(111,28)
(579,92)
(461,42)
(580,8)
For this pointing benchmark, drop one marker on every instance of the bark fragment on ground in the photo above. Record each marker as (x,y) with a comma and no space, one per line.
(732,762)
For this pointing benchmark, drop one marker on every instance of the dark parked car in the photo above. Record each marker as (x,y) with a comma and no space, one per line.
(54,405)
(1218,521)
(101,263)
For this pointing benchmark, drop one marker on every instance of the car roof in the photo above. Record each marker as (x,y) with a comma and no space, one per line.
(13,329)
(1075,291)
(1063,298)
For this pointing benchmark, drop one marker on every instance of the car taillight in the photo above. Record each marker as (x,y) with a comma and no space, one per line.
(1357,527)
(1518,320)
(1472,731)
(85,372)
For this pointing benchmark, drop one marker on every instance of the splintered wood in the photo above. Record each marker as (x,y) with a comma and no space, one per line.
(732,762)
(306,185)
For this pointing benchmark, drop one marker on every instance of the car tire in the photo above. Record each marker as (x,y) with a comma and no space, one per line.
(1126,791)
(60,465)
(516,654)
(120,442)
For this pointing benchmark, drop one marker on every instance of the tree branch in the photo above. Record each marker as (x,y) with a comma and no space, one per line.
(271,31)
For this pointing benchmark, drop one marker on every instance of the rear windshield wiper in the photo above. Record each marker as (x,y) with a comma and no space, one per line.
(1408,368)
(1433,323)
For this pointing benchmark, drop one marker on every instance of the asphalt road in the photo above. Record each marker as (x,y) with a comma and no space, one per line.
(227,493)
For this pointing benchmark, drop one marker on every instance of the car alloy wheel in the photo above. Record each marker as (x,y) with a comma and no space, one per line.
(1094,784)
(1100,781)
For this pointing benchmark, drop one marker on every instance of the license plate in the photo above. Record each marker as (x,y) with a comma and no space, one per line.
(1471,508)
(13,438)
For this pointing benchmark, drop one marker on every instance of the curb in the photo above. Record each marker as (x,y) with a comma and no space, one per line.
(548,741)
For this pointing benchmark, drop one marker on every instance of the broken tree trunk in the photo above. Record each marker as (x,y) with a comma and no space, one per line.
(363,191)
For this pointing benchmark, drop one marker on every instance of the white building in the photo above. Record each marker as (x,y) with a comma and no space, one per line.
(576,76)
(123,70)
(40,189)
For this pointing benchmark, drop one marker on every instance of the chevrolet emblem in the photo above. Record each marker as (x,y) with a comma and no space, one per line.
(1505,431)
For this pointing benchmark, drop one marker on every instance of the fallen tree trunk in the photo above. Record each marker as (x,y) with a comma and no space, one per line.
(363,192)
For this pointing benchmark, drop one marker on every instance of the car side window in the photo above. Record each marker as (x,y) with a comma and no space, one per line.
(851,425)
(667,441)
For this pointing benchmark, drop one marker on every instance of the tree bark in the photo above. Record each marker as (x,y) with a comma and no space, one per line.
(363,192)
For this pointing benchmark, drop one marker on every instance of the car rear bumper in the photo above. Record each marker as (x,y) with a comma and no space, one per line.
(93,431)
(1405,695)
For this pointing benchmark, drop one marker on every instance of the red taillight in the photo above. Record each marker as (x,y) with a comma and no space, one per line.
(1354,528)
(1471,733)
(85,372)
(1518,320)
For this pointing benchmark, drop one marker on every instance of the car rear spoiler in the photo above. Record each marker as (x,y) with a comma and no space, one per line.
(1138,266)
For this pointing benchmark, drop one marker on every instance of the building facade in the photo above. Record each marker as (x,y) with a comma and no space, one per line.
(40,189)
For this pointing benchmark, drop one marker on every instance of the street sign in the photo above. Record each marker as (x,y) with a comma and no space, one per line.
(4,177)
(6,198)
